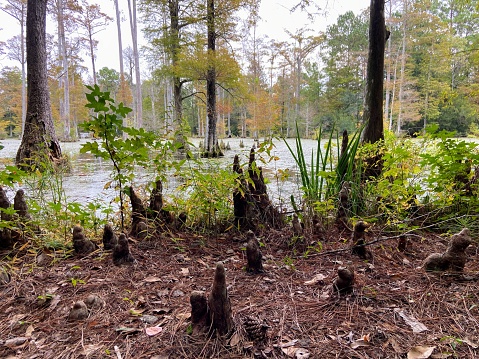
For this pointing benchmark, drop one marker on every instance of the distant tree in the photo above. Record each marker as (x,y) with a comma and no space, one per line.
(91,20)
(109,80)
(10,100)
(39,141)
(18,10)
(345,56)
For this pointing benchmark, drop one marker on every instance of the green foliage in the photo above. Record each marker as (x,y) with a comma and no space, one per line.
(314,174)
(390,197)
(75,281)
(323,177)
(449,163)
(124,153)
(126,147)
(205,193)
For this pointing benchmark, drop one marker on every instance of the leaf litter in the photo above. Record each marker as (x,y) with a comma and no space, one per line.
(396,309)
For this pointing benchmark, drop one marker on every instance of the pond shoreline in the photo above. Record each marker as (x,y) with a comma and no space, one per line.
(90,174)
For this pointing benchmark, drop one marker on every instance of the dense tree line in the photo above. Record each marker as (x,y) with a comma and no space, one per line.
(262,86)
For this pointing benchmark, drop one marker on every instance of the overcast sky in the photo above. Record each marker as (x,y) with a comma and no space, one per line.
(275,14)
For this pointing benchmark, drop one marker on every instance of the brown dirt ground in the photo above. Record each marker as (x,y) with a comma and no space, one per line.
(370,323)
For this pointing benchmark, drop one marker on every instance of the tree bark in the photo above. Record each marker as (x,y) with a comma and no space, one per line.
(64,77)
(134,36)
(211,146)
(373,112)
(403,67)
(39,141)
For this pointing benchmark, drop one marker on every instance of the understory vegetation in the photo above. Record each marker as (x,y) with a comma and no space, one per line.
(427,182)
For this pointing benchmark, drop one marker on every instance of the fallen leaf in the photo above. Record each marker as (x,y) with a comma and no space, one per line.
(185,272)
(290,351)
(318,278)
(289,343)
(29,331)
(235,339)
(90,349)
(54,302)
(417,327)
(151,279)
(151,331)
(202,263)
(184,315)
(302,353)
(361,342)
(394,344)
(136,312)
(420,352)
(326,294)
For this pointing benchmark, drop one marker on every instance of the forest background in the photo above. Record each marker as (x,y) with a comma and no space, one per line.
(265,84)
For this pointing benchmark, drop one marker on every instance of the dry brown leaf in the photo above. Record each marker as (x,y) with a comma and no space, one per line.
(302,353)
(394,344)
(185,272)
(54,302)
(417,327)
(420,352)
(151,279)
(290,351)
(235,339)
(29,331)
(152,331)
(184,315)
(318,278)
(359,343)
(90,349)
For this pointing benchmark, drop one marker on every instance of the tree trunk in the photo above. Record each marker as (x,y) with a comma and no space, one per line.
(403,67)
(174,9)
(64,77)
(92,56)
(120,57)
(134,36)
(388,76)
(39,141)
(373,112)
(24,78)
(211,146)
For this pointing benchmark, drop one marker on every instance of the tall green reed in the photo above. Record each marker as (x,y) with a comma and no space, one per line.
(322,179)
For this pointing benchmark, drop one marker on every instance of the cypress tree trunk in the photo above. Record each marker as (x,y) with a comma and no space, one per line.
(39,141)
(211,146)
(373,111)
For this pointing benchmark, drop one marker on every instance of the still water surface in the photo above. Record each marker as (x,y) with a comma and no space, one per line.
(89,174)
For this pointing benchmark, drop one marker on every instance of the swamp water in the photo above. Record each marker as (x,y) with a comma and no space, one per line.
(86,182)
